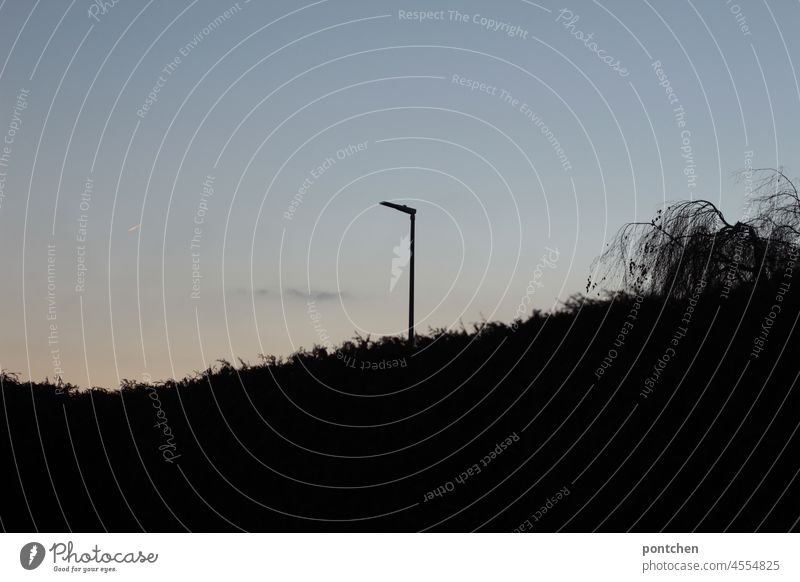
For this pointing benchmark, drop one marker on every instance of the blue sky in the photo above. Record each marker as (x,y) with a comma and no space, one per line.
(514,127)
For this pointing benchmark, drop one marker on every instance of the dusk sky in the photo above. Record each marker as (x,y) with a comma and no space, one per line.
(180,179)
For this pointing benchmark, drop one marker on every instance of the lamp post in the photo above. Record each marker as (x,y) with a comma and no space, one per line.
(412,212)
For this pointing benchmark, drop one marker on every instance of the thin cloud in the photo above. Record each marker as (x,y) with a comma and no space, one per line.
(295,293)
(315,295)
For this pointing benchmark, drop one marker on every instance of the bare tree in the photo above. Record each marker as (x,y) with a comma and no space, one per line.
(691,242)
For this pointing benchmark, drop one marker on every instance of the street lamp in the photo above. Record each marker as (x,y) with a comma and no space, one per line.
(412,215)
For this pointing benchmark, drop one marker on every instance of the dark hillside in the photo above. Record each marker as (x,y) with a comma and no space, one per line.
(618,413)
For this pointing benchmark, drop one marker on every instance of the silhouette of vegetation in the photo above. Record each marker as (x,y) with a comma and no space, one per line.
(690,241)
(655,406)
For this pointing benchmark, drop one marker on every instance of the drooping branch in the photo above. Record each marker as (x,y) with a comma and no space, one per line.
(691,241)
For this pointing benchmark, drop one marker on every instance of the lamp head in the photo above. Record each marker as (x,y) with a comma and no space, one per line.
(400,207)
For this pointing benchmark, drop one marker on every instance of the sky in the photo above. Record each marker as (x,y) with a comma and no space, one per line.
(193,180)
